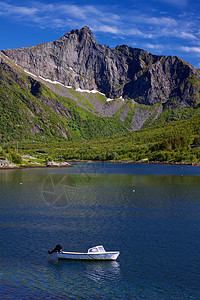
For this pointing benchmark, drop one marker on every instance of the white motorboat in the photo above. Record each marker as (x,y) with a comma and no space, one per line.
(94,253)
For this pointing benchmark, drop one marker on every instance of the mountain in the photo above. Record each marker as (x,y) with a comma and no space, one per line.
(77,60)
(30,110)
(75,88)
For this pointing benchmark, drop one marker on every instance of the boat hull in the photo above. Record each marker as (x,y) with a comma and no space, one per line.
(88,256)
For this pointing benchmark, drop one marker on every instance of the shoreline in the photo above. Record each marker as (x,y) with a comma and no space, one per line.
(34,167)
(94,161)
(136,162)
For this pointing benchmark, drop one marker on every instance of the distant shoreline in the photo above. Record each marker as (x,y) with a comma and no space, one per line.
(34,167)
(136,162)
(94,161)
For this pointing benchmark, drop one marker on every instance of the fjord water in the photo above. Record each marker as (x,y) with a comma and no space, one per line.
(150,213)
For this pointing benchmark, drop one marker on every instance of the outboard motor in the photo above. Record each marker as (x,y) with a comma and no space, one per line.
(57,248)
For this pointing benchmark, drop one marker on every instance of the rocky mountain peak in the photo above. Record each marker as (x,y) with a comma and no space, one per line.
(77,60)
(82,35)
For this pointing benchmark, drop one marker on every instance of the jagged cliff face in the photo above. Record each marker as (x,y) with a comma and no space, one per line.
(77,60)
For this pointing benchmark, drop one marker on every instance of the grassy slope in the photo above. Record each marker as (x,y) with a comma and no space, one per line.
(39,113)
(169,143)
(28,116)
(25,116)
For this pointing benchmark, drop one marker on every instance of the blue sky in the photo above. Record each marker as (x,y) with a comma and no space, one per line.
(168,27)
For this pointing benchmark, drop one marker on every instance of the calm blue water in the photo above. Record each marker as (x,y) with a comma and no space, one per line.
(150,213)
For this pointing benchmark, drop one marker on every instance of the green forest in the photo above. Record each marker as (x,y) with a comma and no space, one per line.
(177,142)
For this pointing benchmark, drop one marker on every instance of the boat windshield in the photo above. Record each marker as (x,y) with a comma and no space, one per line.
(101,249)
(96,249)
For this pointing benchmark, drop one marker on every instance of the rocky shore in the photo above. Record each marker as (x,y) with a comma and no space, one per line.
(5,165)
(56,164)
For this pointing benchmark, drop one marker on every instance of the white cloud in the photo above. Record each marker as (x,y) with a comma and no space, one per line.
(73,10)
(61,15)
(174,32)
(137,32)
(105,28)
(154,46)
(8,9)
(163,21)
(191,49)
(187,35)
(130,23)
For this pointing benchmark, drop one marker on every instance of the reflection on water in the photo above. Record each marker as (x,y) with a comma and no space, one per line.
(100,272)
(151,218)
(60,189)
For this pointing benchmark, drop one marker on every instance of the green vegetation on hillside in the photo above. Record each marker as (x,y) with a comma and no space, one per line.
(177,142)
(47,125)
(30,110)
(10,154)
